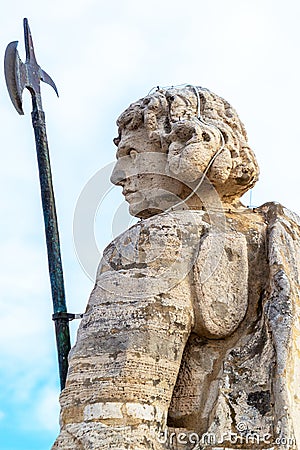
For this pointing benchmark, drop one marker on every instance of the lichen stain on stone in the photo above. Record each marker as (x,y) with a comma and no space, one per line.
(260,400)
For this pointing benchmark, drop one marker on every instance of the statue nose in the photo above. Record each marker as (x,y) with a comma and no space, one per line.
(118,176)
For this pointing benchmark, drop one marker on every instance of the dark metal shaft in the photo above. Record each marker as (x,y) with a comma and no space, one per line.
(29,75)
(53,246)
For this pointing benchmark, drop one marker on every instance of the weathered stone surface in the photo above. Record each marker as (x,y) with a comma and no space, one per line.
(191,335)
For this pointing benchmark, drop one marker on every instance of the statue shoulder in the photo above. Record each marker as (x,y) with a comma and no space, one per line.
(275,213)
(158,237)
(162,248)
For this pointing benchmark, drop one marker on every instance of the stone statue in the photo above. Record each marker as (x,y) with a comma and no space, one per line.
(191,335)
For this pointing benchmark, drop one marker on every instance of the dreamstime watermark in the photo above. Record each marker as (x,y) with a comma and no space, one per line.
(229,438)
(130,246)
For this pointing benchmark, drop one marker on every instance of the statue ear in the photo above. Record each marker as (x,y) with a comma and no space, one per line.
(192,145)
(221,168)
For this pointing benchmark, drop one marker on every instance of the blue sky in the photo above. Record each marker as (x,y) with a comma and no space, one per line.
(102,56)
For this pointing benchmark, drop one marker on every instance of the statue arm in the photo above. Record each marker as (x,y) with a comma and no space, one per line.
(220,279)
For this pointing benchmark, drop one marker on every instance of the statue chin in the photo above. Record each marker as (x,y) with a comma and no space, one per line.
(143,210)
(148,207)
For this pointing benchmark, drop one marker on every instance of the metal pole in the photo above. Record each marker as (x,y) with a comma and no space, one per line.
(18,76)
(53,244)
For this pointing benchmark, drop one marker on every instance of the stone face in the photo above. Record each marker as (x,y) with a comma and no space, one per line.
(191,334)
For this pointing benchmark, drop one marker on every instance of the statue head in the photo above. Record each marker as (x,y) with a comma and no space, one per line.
(187,133)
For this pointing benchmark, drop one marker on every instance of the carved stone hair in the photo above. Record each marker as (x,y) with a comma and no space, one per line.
(172,114)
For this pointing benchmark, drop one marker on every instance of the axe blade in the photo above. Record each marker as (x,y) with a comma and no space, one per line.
(15,75)
(19,75)
(47,79)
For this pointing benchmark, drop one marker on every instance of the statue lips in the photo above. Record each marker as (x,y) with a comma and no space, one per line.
(132,196)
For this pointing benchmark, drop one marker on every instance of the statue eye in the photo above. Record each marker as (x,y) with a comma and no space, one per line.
(117,141)
(132,153)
